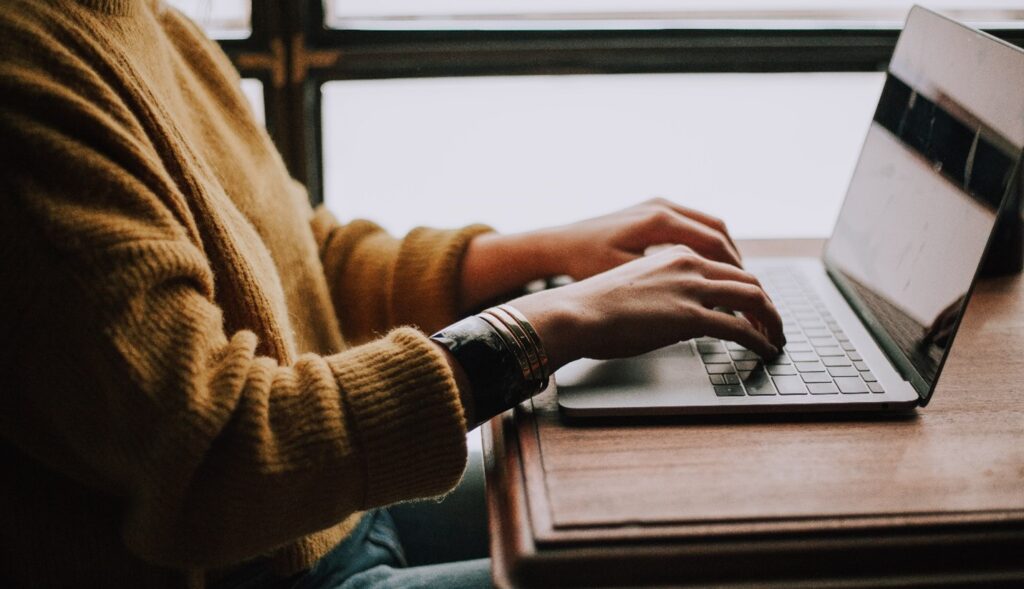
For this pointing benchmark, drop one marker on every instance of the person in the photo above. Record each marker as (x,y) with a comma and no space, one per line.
(209,382)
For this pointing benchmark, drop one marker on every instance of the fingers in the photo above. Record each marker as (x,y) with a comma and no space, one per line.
(752,289)
(703,218)
(672,227)
(750,300)
(719,271)
(733,288)
(736,329)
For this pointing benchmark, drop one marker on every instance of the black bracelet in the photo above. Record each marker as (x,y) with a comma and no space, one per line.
(490,365)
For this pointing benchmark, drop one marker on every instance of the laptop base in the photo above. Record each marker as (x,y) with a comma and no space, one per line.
(676,381)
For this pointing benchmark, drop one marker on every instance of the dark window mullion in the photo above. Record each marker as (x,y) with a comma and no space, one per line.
(365,54)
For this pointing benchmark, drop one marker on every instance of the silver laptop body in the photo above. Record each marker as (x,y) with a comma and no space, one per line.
(869,324)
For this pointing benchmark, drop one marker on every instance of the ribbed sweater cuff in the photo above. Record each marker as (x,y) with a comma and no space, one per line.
(404,409)
(428,276)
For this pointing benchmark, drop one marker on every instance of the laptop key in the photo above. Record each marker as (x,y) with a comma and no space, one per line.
(710,347)
(790,385)
(747,364)
(848,346)
(721,358)
(875,387)
(868,376)
(719,368)
(781,370)
(809,367)
(813,333)
(803,356)
(729,390)
(851,385)
(855,356)
(743,355)
(830,351)
(810,377)
(823,388)
(862,366)
(731,378)
(835,361)
(734,346)
(842,371)
(798,347)
(780,359)
(758,384)
(717,378)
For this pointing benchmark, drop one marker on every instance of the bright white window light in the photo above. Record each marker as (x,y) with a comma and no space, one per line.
(769,153)
(220,19)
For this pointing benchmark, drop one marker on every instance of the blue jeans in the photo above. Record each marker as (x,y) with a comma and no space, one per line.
(373,557)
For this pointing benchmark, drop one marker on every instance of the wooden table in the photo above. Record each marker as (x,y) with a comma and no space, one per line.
(930,498)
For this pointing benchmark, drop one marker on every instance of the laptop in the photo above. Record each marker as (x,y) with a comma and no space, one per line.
(870,323)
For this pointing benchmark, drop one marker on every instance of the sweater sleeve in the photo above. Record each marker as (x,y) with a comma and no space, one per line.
(124,379)
(378,281)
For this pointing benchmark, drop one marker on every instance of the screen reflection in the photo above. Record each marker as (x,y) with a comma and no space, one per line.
(915,223)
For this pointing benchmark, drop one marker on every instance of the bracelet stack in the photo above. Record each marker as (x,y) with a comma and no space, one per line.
(524,342)
(502,356)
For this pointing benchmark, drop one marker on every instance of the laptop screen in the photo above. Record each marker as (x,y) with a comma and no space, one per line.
(940,155)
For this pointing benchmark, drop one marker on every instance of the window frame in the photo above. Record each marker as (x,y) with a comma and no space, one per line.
(293,52)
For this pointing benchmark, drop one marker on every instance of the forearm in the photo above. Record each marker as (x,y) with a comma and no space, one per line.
(378,282)
(498,264)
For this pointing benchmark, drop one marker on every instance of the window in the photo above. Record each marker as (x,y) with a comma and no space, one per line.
(221,19)
(253,90)
(496,109)
(522,152)
(615,14)
(519,152)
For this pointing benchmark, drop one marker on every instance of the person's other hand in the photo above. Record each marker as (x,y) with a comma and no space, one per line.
(651,302)
(592,246)
(497,264)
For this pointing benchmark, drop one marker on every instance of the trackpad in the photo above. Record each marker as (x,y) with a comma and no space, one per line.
(654,379)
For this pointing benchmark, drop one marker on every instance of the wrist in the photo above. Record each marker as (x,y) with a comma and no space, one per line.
(502,361)
(497,264)
(542,251)
(557,323)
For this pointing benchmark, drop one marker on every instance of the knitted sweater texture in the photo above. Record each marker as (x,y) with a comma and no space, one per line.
(178,396)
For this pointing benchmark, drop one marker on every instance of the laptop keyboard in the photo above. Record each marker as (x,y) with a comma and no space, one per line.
(818,358)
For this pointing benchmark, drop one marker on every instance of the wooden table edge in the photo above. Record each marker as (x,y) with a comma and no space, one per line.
(521,559)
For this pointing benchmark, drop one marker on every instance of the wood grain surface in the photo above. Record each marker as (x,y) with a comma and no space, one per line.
(584,492)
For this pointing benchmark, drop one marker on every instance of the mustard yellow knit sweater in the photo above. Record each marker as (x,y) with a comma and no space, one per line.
(177,395)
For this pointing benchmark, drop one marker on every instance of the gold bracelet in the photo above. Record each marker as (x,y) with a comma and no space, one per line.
(538,344)
(528,343)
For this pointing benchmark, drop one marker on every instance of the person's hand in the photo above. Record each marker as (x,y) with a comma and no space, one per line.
(496,264)
(592,246)
(651,302)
